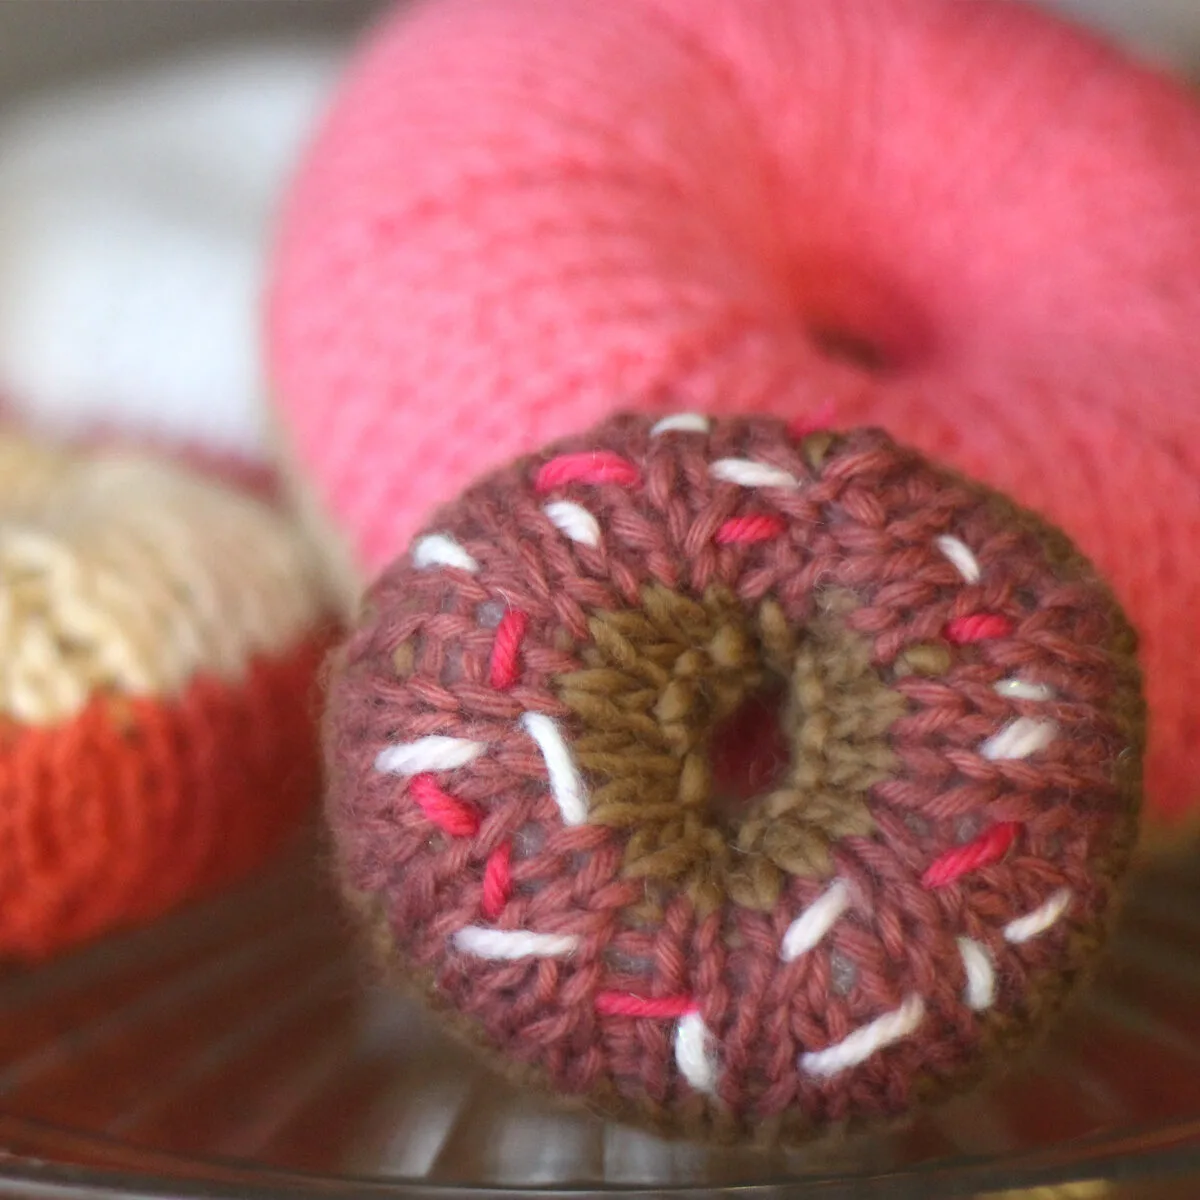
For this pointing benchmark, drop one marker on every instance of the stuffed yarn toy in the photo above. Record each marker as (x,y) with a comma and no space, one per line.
(554,797)
(162,617)
(160,631)
(702,749)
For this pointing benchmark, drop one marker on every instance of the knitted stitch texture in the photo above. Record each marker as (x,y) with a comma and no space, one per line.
(968,223)
(521,736)
(159,638)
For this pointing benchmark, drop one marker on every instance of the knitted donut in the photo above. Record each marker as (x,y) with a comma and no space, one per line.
(534,737)
(970,224)
(160,632)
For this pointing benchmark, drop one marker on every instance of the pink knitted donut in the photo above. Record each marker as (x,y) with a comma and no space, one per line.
(967,223)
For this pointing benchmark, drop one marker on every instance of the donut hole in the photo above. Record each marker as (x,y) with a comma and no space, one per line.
(849,346)
(734,746)
(750,752)
(859,319)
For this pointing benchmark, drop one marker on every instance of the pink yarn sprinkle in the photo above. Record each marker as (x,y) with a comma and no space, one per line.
(750,529)
(991,846)
(497,881)
(503,670)
(622,1004)
(454,816)
(591,466)
(977,628)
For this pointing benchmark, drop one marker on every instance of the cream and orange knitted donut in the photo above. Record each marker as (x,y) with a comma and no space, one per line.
(160,631)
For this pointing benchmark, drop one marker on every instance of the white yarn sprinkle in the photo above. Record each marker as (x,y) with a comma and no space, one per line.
(566,784)
(505,944)
(748,473)
(433,753)
(441,550)
(1019,739)
(815,921)
(1019,689)
(694,1054)
(959,553)
(574,520)
(681,423)
(981,976)
(864,1042)
(1038,921)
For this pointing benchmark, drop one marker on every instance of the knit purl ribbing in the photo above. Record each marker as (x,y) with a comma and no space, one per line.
(522,735)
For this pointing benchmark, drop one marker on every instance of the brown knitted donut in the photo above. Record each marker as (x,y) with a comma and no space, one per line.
(522,734)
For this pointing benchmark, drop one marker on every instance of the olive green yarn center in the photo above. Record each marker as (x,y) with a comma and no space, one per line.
(656,683)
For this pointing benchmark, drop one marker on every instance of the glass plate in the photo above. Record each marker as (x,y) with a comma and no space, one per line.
(239,1049)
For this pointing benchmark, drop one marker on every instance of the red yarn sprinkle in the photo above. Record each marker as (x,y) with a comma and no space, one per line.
(506,649)
(497,881)
(592,466)
(991,846)
(977,628)
(622,1004)
(750,529)
(456,817)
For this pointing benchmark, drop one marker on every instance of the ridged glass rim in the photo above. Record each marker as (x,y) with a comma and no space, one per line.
(44,1158)
(1134,1153)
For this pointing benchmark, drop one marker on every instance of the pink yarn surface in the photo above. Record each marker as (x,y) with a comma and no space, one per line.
(524,214)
